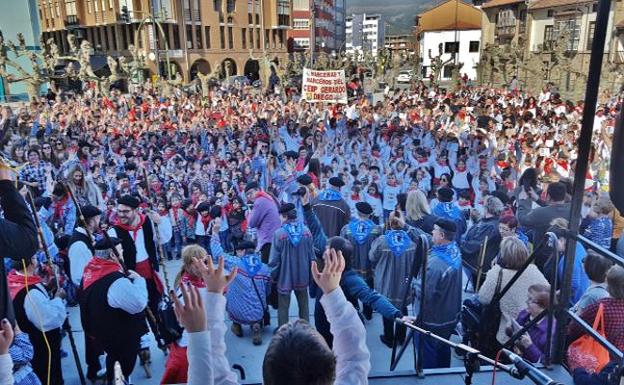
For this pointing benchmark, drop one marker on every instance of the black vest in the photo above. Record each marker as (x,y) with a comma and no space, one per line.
(113,328)
(129,247)
(40,358)
(80,237)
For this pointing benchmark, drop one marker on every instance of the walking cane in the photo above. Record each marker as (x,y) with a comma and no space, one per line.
(481,262)
(160,246)
(66,324)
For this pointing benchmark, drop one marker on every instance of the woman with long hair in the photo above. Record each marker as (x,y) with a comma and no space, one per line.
(418,213)
(83,187)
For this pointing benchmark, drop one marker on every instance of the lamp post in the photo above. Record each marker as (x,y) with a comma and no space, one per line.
(149,17)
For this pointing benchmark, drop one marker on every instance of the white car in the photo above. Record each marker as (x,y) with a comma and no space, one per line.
(404,77)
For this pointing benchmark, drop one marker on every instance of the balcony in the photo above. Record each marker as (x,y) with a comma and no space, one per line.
(71,20)
(505,30)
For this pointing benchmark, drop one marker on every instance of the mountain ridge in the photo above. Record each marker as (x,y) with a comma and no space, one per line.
(398,14)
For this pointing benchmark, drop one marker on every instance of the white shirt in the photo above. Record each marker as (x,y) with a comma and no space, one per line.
(128,295)
(6,369)
(199,228)
(45,314)
(139,242)
(79,255)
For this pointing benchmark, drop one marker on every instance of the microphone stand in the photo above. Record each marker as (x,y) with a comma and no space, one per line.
(472,355)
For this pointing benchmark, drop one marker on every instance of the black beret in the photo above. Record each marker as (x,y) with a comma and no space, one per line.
(89,211)
(106,243)
(251,186)
(186,203)
(62,242)
(304,179)
(204,206)
(336,181)
(244,245)
(445,194)
(286,207)
(446,224)
(291,154)
(364,207)
(129,200)
(215,211)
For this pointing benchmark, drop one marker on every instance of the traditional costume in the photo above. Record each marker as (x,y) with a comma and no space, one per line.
(332,210)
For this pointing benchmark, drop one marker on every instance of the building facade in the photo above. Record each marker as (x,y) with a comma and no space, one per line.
(538,29)
(21,16)
(454,26)
(196,35)
(318,21)
(401,44)
(364,33)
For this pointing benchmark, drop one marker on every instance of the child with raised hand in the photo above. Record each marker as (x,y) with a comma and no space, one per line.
(285,362)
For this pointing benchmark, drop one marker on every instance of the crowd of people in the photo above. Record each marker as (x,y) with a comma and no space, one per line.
(326,201)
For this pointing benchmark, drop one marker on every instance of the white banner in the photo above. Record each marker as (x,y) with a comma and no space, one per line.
(324,86)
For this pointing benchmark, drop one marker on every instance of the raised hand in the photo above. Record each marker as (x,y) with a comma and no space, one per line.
(191,313)
(215,279)
(329,279)
(6,336)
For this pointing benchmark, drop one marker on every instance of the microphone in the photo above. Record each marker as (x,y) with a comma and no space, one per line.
(526,369)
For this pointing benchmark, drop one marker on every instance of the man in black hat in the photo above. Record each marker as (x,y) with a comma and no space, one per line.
(111,308)
(80,252)
(291,255)
(442,302)
(138,243)
(361,232)
(331,209)
(247,295)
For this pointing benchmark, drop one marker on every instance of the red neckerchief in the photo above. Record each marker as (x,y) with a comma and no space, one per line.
(463,204)
(134,230)
(355,197)
(205,220)
(174,211)
(98,268)
(195,281)
(17,282)
(163,213)
(190,218)
(59,208)
(461,168)
(374,195)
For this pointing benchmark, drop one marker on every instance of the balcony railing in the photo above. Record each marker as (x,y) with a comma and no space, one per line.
(71,20)
(505,30)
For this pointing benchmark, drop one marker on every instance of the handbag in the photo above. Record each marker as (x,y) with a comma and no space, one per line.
(490,322)
(586,353)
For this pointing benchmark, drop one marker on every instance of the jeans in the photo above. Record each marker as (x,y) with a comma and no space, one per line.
(203,241)
(284,305)
(175,245)
(435,354)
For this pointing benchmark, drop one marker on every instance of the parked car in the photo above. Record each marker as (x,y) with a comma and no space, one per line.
(404,76)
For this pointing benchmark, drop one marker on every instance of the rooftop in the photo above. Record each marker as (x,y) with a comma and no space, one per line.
(541,4)
(450,15)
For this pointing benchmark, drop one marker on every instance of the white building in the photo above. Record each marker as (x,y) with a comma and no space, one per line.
(364,32)
(469,43)
(457,27)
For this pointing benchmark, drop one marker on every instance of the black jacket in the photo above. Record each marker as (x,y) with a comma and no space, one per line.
(473,240)
(18,237)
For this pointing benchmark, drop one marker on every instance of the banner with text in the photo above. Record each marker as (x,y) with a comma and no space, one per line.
(324,86)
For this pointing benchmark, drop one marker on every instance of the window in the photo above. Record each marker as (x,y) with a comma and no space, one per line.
(590,34)
(216,4)
(222,36)
(230,38)
(198,41)
(244,37)
(451,47)
(447,71)
(257,38)
(231,6)
(207,33)
(266,38)
(549,37)
(70,7)
(301,24)
(302,42)
(89,6)
(251,38)
(550,13)
(189,36)
(473,47)
(196,11)
(595,7)
(572,26)
(176,36)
